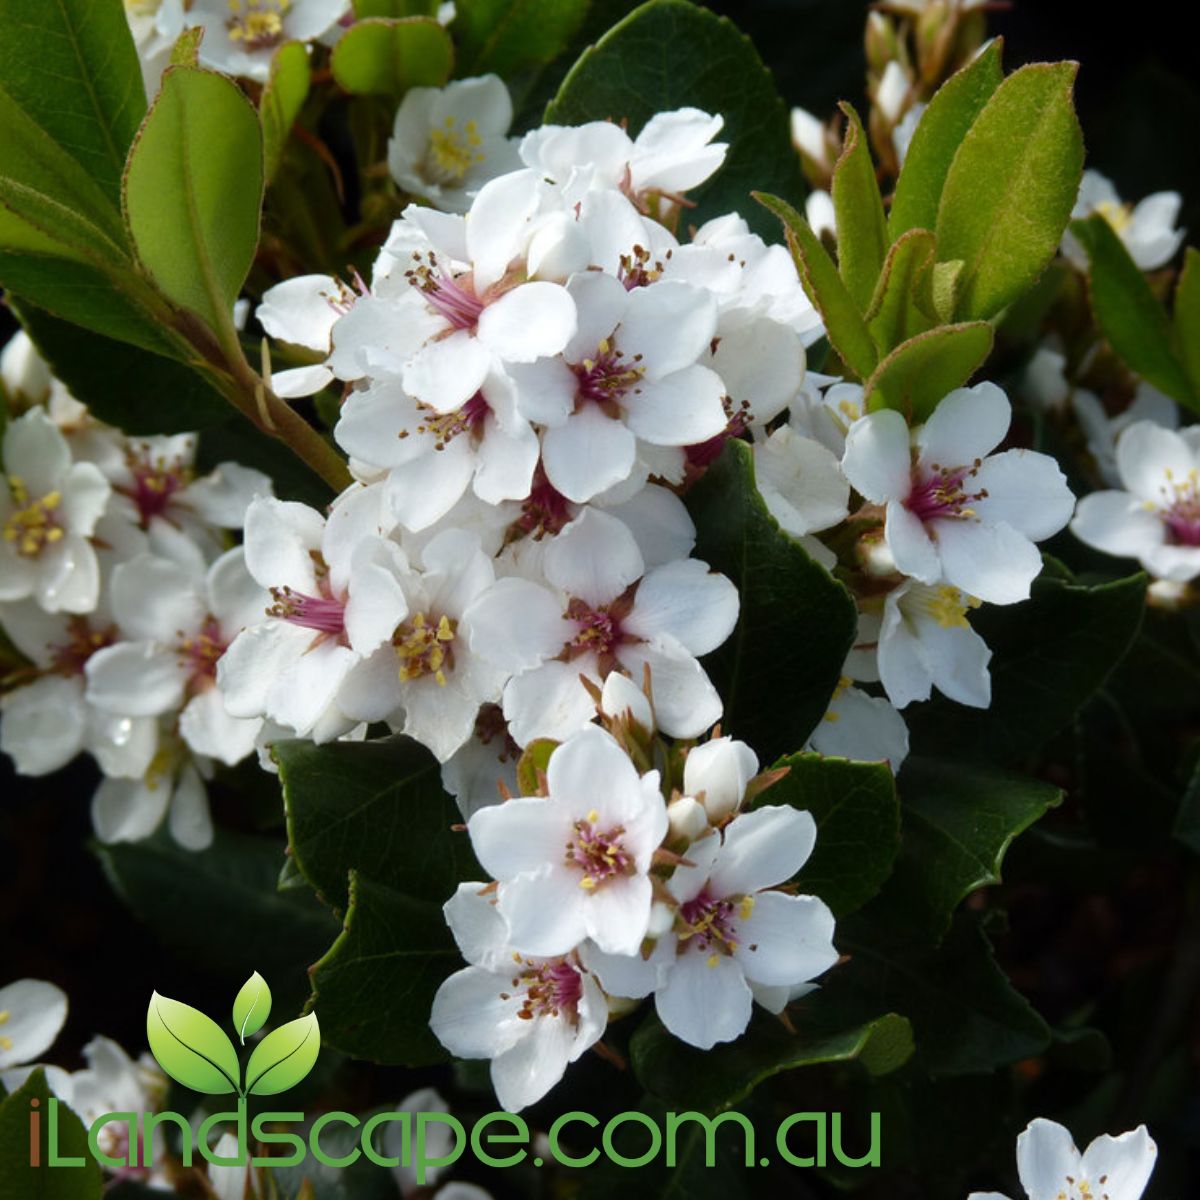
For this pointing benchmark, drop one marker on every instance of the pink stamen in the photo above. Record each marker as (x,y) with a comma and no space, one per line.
(551,988)
(200,654)
(605,379)
(704,454)
(710,922)
(459,305)
(155,483)
(1182,520)
(546,511)
(600,855)
(322,613)
(82,642)
(940,495)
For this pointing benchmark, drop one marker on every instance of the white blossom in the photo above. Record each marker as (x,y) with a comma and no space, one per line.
(1147,229)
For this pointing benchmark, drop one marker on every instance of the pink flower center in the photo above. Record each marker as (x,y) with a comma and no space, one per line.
(939,494)
(348,294)
(445,427)
(453,297)
(599,854)
(636,270)
(1181,516)
(704,454)
(709,923)
(552,988)
(325,614)
(70,657)
(155,483)
(546,511)
(607,378)
(199,654)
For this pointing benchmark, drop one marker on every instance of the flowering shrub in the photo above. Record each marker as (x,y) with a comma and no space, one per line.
(647,542)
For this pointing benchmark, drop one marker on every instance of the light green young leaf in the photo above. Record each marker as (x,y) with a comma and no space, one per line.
(282,98)
(387,57)
(904,296)
(1129,313)
(284,1057)
(862,228)
(71,66)
(1011,187)
(191,1047)
(1187,316)
(844,324)
(939,133)
(251,1007)
(193,191)
(186,50)
(920,372)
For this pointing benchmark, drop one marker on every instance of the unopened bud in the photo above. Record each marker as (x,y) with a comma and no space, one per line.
(881,42)
(622,699)
(892,92)
(687,820)
(662,918)
(24,372)
(718,772)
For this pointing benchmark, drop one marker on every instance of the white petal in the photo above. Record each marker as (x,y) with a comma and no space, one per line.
(1046,1156)
(588,454)
(223,496)
(786,939)
(300,311)
(517,625)
(68,576)
(525,1072)
(469,1017)
(696,606)
(156,600)
(127,810)
(188,819)
(478,928)
(910,544)
(43,724)
(682,408)
(36,452)
(532,321)
(617,914)
(968,424)
(878,461)
(685,701)
(545,390)
(301,381)
(762,848)
(704,1004)
(545,909)
(1024,489)
(669,325)
(993,562)
(85,494)
(446,373)
(1125,1163)
(136,679)
(594,558)
(36,1011)
(1118,524)
(1148,457)
(208,729)
(421,492)
(247,670)
(548,701)
(280,537)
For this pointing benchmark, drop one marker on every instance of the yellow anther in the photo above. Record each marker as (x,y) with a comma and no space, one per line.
(713,959)
(1119,216)
(452,152)
(593,817)
(5,1042)
(424,648)
(746,907)
(34,525)
(587,883)
(257,23)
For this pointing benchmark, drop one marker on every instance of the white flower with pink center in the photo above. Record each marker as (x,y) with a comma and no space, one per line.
(604,612)
(530,1015)
(336,599)
(49,508)
(955,512)
(860,726)
(1051,1167)
(424,678)
(178,624)
(47,719)
(1156,517)
(630,372)
(734,940)
(432,457)
(574,864)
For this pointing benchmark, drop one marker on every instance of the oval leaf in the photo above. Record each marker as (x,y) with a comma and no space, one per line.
(389,57)
(191,1047)
(252,1006)
(193,191)
(283,1057)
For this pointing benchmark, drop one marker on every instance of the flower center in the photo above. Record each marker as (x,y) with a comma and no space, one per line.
(940,495)
(424,646)
(82,642)
(636,270)
(945,604)
(546,511)
(1081,1189)
(199,654)
(709,923)
(452,297)
(490,726)
(601,856)
(348,294)
(445,427)
(605,379)
(325,614)
(34,525)
(1119,216)
(1180,512)
(452,152)
(5,1042)
(257,24)
(599,630)
(551,988)
(155,482)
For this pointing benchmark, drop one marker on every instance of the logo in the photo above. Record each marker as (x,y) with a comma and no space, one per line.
(195,1051)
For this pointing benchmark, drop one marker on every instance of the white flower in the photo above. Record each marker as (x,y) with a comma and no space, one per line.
(1102,431)
(734,940)
(49,507)
(31,1014)
(424,677)
(24,373)
(953,514)
(860,726)
(925,641)
(531,1016)
(155,488)
(575,863)
(173,787)
(241,36)
(48,720)
(179,624)
(630,371)
(1156,518)
(673,153)
(603,612)
(1051,1167)
(1147,229)
(716,773)
(155,25)
(448,142)
(337,599)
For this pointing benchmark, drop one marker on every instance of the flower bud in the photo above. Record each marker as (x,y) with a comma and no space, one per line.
(881,43)
(717,773)
(25,374)
(557,249)
(687,820)
(622,698)
(662,918)
(892,92)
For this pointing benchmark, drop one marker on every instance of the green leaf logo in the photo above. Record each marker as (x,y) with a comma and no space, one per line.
(284,1057)
(252,1007)
(191,1047)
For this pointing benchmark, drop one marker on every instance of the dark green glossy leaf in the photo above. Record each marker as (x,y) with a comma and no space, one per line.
(1187,316)
(774,676)
(373,807)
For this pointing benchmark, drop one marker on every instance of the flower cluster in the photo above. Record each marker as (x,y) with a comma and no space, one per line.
(120,591)
(610,885)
